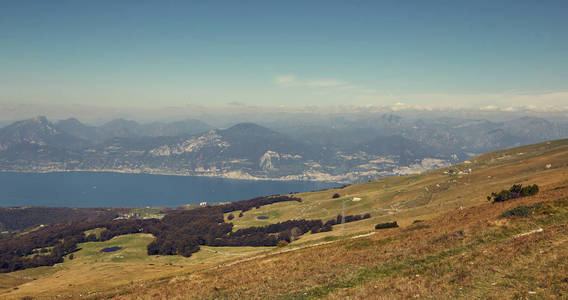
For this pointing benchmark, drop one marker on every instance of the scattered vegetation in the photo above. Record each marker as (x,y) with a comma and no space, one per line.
(386,225)
(179,232)
(21,251)
(417,227)
(347,219)
(521,211)
(516,191)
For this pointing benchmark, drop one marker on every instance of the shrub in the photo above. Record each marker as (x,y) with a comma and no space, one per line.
(315,229)
(336,195)
(520,211)
(386,225)
(515,191)
(230,217)
(295,233)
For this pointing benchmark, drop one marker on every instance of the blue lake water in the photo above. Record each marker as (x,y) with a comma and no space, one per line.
(111,249)
(94,189)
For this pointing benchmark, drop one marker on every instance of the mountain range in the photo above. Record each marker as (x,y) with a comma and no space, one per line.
(342,149)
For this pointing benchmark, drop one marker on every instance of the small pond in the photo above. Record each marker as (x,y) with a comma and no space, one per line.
(111,249)
(262,217)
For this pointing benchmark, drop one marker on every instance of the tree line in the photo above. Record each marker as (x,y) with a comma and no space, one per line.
(179,232)
(21,218)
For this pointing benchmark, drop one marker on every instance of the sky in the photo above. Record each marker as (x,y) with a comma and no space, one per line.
(149,54)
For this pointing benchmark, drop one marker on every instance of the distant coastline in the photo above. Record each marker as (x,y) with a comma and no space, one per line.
(233,175)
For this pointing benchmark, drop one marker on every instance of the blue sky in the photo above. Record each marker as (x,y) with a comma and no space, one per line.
(171,53)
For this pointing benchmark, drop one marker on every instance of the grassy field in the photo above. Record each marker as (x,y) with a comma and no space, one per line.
(462,248)
(92,271)
(468,253)
(148,212)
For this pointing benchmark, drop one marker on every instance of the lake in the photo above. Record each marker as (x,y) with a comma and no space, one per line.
(105,189)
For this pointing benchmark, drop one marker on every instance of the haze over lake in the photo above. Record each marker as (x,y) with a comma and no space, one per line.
(101,189)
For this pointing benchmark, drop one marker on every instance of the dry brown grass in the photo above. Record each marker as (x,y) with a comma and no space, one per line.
(463,249)
(461,254)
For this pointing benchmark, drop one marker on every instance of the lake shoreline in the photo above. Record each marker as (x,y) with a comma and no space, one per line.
(231,175)
(126,189)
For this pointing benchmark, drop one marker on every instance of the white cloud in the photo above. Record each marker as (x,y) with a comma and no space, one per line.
(506,101)
(290,80)
(333,90)
(489,108)
(324,83)
(285,80)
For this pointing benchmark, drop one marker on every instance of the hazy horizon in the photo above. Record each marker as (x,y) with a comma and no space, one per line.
(224,115)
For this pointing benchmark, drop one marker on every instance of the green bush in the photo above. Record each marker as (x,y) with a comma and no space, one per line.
(418,227)
(386,225)
(515,191)
(520,211)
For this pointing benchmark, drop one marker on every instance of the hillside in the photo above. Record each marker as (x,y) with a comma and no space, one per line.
(451,242)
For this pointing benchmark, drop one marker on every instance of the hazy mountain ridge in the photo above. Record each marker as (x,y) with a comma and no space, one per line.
(339,148)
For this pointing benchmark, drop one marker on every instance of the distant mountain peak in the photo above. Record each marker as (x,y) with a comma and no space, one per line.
(120,121)
(249,128)
(41,119)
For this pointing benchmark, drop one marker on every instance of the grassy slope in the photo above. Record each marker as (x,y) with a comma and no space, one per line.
(423,196)
(470,253)
(92,271)
(485,262)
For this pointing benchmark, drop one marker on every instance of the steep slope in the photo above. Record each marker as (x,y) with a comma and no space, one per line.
(120,128)
(253,141)
(406,150)
(466,253)
(75,128)
(37,131)
(247,147)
